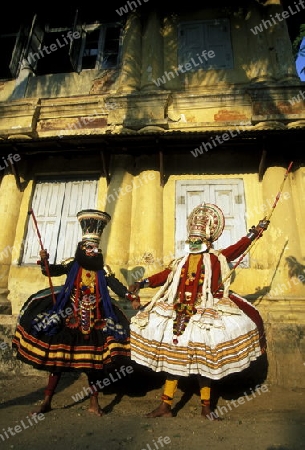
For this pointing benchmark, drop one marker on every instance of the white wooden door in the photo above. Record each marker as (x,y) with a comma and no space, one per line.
(228,195)
(55,205)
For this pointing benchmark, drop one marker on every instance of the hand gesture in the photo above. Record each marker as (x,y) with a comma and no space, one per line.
(134,288)
(262,226)
(134,299)
(136,304)
(43,254)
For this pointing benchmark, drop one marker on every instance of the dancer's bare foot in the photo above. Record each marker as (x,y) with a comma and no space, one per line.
(207,413)
(94,407)
(44,407)
(163,410)
(97,411)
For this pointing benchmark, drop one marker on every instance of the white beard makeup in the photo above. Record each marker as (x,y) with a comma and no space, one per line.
(195,248)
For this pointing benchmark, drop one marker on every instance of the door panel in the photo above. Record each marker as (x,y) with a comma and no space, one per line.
(228,195)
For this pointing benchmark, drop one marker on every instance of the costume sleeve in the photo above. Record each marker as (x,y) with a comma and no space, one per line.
(56,270)
(234,251)
(116,286)
(159,278)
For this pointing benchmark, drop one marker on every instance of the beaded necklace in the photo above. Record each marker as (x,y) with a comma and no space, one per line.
(184,309)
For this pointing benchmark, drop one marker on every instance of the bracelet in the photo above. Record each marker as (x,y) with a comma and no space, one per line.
(131,297)
(253,233)
(143,283)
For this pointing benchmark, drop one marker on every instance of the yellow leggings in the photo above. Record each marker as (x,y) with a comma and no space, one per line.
(171,387)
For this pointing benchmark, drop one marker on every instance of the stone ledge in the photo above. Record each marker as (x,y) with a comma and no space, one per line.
(284,311)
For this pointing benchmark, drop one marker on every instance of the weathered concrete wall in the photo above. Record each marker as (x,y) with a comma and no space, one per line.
(9,364)
(261,56)
(286,354)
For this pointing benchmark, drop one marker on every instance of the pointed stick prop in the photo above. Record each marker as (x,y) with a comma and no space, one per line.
(45,261)
(280,191)
(267,218)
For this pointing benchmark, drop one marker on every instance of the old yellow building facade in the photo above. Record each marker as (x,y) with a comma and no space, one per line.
(160,110)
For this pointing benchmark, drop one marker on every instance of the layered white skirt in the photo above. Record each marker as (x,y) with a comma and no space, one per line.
(216,342)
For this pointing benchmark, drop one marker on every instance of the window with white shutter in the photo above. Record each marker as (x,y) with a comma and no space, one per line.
(209,35)
(55,205)
(228,195)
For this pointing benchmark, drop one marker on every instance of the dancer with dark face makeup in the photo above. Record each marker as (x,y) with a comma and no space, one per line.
(84,330)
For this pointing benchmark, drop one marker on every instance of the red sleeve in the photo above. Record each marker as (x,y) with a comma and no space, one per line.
(234,251)
(159,278)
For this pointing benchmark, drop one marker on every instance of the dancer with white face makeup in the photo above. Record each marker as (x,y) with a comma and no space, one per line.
(190,326)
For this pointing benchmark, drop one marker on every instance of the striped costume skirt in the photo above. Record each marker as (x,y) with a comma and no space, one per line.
(216,342)
(68,348)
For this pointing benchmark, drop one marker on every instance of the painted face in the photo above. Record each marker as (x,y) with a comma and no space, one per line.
(196,244)
(91,248)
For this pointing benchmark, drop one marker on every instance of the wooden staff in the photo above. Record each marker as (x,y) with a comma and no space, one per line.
(267,218)
(45,261)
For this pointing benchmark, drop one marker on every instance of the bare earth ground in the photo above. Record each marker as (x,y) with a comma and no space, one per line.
(273,419)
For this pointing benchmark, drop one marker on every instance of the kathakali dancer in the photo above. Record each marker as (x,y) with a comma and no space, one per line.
(191,326)
(83,330)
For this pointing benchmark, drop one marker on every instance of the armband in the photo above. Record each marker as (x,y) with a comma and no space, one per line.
(144,283)
(264,223)
(108,271)
(253,233)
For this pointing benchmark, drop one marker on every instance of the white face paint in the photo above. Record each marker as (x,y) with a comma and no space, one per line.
(200,249)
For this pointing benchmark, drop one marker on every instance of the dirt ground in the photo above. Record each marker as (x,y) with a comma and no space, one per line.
(266,418)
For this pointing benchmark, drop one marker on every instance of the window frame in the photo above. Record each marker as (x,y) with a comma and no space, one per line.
(29,43)
(19,48)
(99,63)
(202,26)
(9,70)
(36,40)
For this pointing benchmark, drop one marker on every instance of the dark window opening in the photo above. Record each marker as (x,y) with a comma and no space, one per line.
(101,47)
(111,47)
(7,44)
(53,56)
(45,46)
(91,49)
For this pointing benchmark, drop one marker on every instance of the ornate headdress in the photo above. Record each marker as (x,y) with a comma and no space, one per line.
(206,221)
(92,223)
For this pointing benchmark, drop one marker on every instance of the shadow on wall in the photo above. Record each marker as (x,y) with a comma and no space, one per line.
(295,268)
(133,275)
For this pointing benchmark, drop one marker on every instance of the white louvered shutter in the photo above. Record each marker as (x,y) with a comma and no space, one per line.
(47,205)
(78,195)
(55,205)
